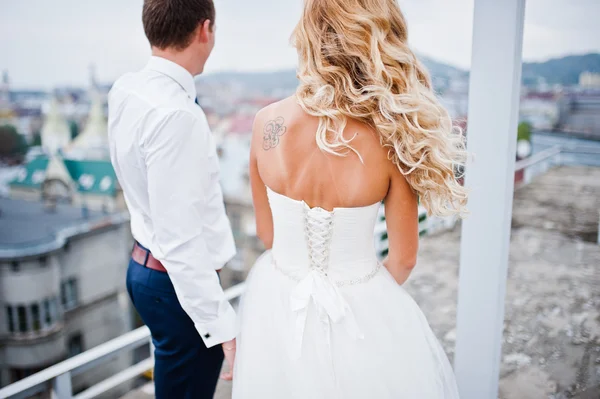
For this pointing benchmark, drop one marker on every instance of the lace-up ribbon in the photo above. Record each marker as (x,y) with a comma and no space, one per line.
(317,286)
(330,304)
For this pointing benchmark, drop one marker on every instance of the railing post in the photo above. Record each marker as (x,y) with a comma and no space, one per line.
(61,387)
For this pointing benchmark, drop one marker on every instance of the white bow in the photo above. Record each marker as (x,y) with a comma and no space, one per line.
(329,302)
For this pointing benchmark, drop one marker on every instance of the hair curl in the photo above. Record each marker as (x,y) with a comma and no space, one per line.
(354,62)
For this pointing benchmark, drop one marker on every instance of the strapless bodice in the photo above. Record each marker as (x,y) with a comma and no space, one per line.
(323,251)
(337,243)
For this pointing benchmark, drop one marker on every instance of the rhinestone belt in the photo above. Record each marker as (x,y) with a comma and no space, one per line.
(340,283)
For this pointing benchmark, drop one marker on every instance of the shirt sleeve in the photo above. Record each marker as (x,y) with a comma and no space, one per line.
(177,156)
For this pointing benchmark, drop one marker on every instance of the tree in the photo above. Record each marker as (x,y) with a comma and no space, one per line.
(524,131)
(37,139)
(12,144)
(74,128)
(523,140)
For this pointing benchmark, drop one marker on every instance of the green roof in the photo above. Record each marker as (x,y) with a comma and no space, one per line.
(92,176)
(33,174)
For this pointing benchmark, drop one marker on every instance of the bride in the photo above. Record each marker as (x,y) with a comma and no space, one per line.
(322,317)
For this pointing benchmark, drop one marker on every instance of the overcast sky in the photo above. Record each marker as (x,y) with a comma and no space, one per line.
(45,43)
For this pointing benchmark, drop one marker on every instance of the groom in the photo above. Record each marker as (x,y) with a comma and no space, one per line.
(166,162)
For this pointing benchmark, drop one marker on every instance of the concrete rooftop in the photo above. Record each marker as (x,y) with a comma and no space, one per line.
(551,345)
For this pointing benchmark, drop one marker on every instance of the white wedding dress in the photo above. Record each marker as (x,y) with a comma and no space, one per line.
(322,318)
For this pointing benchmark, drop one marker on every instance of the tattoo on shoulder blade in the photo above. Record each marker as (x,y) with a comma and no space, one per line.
(272,131)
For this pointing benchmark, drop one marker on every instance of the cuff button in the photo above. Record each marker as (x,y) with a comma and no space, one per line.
(207,336)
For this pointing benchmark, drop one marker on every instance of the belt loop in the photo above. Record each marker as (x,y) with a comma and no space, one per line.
(137,244)
(146,259)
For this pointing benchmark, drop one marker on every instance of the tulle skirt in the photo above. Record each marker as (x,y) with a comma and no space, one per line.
(382,347)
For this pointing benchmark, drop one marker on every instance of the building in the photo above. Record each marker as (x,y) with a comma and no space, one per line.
(78,172)
(579,115)
(55,133)
(92,142)
(21,108)
(62,274)
(4,90)
(7,114)
(589,80)
(539,109)
(64,248)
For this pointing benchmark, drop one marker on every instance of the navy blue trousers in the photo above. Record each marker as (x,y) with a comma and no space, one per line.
(184,368)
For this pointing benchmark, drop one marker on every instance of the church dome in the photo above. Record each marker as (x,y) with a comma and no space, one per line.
(55,131)
(95,133)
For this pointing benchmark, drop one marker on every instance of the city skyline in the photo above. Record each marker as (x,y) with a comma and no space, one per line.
(47,44)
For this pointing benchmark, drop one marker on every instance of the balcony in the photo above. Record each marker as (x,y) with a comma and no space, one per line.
(547,338)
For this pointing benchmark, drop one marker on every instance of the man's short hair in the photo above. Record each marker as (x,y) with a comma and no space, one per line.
(171,23)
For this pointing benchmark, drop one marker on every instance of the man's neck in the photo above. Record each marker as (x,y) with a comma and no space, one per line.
(181,58)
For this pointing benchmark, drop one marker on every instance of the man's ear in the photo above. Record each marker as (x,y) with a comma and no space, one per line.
(205,31)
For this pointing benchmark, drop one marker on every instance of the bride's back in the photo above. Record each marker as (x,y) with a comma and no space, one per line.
(291,163)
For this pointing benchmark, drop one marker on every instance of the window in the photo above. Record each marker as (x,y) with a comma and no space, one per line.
(384,236)
(54,309)
(14,266)
(63,295)
(10,319)
(22,315)
(384,253)
(75,345)
(69,294)
(47,313)
(73,297)
(19,374)
(35,315)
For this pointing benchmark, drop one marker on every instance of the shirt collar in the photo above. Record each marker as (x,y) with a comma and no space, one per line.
(176,72)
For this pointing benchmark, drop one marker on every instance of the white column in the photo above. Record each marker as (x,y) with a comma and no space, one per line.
(492,135)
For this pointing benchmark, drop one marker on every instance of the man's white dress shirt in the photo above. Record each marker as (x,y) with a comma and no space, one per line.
(166,161)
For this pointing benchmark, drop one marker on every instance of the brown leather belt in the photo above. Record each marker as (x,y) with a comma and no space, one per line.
(144,257)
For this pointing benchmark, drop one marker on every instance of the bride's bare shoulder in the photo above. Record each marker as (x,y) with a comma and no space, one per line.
(285,106)
(279,117)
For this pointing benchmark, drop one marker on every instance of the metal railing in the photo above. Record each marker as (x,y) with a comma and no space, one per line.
(536,165)
(541,162)
(57,378)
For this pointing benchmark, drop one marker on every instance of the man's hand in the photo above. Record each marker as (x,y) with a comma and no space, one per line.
(229,351)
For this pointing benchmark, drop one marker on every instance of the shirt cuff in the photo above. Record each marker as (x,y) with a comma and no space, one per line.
(220,330)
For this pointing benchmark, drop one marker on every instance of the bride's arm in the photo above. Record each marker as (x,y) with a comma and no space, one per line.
(401,215)
(262,210)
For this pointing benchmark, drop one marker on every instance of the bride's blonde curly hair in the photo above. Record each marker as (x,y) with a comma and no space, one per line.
(355,62)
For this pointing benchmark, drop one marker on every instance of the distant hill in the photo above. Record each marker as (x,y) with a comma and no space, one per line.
(564,71)
(256,81)
(440,70)
(286,78)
